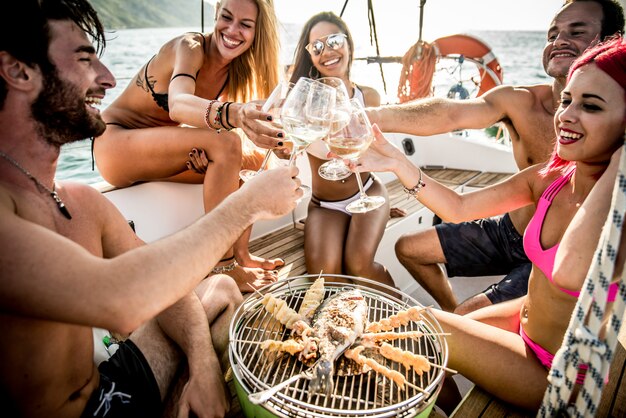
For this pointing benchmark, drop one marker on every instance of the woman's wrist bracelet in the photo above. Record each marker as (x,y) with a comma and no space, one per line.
(415,190)
(221,111)
(230,125)
(207,114)
(217,121)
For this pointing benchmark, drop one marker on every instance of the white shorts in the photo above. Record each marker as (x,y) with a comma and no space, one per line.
(340,205)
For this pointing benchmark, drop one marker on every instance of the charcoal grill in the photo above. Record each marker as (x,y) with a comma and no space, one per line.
(363,395)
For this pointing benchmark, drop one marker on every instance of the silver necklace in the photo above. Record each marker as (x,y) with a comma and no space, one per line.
(41,186)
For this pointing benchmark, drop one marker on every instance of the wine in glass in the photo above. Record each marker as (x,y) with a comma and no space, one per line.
(272,105)
(349,143)
(306,115)
(335,169)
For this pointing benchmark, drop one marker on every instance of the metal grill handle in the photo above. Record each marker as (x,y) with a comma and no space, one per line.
(264,395)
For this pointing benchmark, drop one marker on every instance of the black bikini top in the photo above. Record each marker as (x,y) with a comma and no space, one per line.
(161,99)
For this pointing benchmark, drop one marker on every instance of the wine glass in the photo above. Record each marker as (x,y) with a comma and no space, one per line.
(335,169)
(306,115)
(350,142)
(272,105)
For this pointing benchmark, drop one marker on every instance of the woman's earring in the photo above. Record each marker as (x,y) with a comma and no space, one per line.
(314,72)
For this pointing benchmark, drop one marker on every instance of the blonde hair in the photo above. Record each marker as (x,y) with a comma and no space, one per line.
(253,74)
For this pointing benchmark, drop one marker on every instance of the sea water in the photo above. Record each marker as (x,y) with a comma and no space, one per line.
(519,54)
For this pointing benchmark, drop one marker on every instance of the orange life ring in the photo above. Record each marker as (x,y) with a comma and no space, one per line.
(477,50)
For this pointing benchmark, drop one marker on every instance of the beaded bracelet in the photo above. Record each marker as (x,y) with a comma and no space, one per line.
(207,114)
(217,121)
(415,190)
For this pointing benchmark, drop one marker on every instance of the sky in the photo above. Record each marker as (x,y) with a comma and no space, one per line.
(400,18)
(458,15)
(397,21)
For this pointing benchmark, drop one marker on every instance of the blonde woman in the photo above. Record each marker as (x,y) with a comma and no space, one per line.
(175,112)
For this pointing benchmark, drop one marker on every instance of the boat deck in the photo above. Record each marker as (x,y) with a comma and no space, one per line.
(288,242)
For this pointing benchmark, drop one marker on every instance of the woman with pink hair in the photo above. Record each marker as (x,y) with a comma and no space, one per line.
(508,348)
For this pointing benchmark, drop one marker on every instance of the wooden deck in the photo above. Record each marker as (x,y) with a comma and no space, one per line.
(487,179)
(288,242)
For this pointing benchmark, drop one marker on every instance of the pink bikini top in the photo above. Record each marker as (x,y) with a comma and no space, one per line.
(544,259)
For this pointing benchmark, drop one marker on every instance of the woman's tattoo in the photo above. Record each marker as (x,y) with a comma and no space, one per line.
(145,85)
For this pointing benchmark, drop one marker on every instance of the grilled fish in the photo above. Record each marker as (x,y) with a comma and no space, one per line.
(338,322)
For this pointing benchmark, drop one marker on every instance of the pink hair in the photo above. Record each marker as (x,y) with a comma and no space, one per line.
(610,57)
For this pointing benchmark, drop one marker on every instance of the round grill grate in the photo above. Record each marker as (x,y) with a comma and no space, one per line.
(354,395)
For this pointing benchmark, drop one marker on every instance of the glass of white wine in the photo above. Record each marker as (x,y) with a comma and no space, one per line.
(349,143)
(335,169)
(272,105)
(306,115)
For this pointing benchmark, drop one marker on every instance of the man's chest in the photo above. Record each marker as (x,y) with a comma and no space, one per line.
(532,138)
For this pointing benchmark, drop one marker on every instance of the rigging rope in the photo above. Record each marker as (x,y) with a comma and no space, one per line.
(582,343)
(343,9)
(372,22)
(373,35)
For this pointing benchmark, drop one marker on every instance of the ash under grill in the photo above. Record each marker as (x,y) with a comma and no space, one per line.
(354,395)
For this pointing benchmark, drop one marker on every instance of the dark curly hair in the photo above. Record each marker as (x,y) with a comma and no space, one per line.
(25,33)
(612,17)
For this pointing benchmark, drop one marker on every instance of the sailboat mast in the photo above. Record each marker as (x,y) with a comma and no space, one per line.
(422,3)
(202,16)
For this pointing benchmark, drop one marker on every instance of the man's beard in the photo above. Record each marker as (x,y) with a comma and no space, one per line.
(61,113)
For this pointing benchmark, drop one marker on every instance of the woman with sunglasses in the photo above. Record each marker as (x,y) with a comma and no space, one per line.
(174,117)
(337,241)
(508,348)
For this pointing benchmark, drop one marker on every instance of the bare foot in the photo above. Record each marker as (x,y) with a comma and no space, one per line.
(249,279)
(249,260)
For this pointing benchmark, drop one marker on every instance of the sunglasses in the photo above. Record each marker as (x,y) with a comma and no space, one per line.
(334,42)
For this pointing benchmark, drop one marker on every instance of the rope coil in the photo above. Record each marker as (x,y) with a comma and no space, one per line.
(418,68)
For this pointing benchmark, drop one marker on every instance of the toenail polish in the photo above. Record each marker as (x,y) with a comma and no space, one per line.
(280,143)
(270,118)
(280,135)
